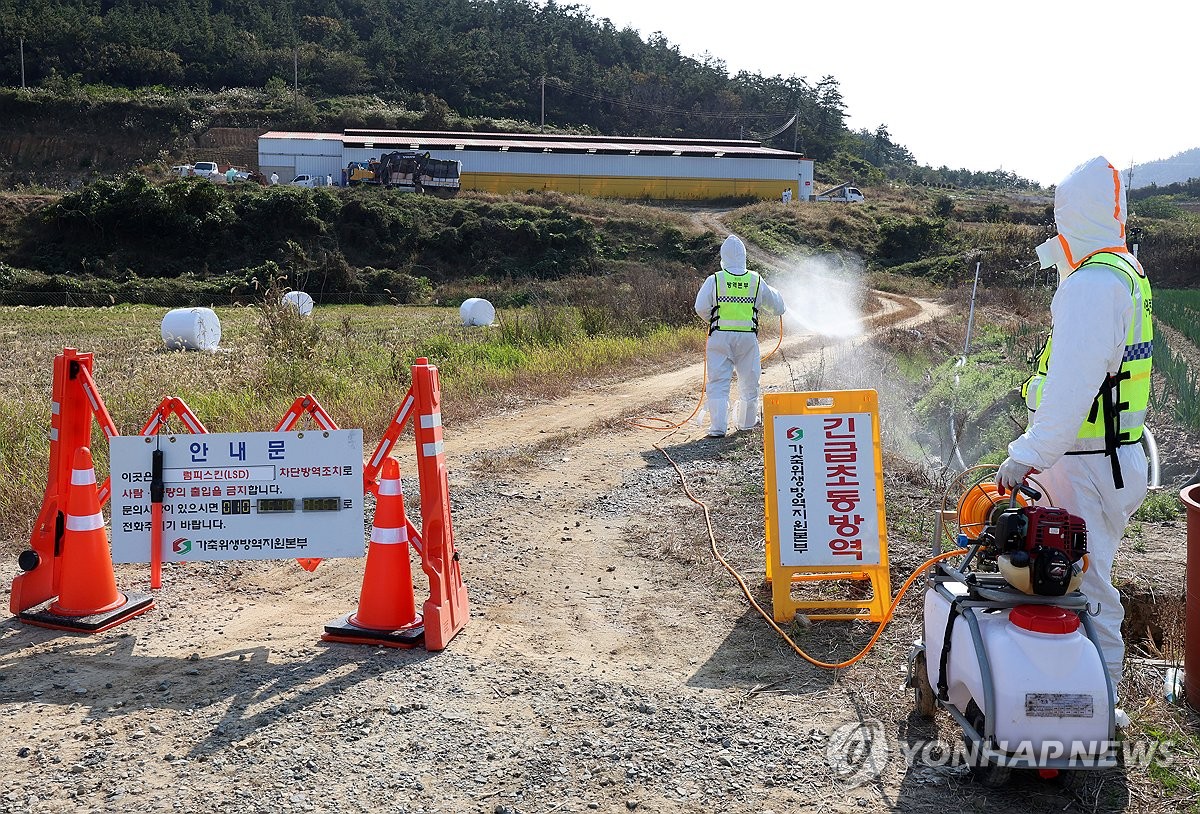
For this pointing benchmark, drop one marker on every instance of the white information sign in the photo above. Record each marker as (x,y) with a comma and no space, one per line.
(825,484)
(240,496)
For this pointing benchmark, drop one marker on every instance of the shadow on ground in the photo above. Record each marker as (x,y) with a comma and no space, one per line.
(107,675)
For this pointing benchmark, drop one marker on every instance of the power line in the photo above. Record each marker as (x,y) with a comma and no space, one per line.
(781,128)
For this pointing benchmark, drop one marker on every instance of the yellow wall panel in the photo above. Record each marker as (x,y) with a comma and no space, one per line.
(634,188)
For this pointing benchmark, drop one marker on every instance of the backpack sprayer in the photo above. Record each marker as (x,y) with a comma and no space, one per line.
(1003,651)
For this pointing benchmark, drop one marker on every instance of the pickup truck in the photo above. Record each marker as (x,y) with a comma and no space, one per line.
(843,193)
(206,169)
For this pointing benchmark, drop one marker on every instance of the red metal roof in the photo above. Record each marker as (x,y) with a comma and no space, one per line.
(311,136)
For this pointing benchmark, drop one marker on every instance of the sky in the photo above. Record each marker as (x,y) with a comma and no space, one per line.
(1034,88)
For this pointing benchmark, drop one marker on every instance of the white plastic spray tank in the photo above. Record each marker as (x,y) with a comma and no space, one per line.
(191,329)
(1048,678)
(477,311)
(302,302)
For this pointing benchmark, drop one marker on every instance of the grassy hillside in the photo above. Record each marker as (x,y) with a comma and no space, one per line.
(132,237)
(139,239)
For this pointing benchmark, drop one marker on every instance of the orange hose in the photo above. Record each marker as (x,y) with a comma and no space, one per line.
(972,503)
(766,616)
(976,505)
(777,344)
(665,424)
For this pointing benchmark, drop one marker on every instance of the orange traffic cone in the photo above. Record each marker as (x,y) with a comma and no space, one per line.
(386,607)
(88,599)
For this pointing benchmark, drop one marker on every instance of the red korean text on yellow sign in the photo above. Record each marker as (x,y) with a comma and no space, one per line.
(826,528)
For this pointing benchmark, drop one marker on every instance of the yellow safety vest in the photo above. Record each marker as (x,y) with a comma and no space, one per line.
(737,302)
(1118,413)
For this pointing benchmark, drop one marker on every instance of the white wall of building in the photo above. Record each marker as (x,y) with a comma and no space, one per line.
(294,155)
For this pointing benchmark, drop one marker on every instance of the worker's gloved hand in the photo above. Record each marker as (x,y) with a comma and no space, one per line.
(1011,473)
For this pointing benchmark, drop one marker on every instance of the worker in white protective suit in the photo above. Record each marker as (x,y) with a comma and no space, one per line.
(730,301)
(1087,399)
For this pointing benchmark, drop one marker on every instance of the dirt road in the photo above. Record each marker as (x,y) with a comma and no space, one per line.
(607,666)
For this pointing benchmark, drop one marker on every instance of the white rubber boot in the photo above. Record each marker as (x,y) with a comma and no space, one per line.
(747,415)
(718,417)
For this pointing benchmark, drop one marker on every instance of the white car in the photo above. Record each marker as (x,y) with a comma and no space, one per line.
(205,169)
(303,181)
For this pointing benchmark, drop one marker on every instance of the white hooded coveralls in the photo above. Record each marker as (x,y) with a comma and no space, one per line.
(1091,314)
(730,351)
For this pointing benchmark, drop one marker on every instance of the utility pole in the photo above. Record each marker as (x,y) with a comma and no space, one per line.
(22,63)
(296,75)
(543,127)
(971,316)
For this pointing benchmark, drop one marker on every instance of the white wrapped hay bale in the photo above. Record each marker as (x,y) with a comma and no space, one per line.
(191,329)
(477,311)
(302,301)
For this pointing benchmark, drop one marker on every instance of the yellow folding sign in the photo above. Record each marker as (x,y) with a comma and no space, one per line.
(825,523)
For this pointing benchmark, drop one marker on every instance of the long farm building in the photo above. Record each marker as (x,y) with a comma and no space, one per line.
(615,167)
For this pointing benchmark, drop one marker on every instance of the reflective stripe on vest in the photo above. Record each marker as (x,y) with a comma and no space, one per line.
(1118,412)
(737,302)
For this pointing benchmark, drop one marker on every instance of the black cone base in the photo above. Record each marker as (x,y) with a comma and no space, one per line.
(343,630)
(41,615)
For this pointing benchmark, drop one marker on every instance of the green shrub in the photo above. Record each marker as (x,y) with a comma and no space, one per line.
(1164,207)
(995,212)
(903,240)
(1158,506)
(399,286)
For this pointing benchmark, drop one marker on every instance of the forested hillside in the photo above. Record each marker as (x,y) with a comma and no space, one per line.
(478,58)
(472,63)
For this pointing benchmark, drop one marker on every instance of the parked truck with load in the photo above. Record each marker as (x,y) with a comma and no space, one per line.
(218,173)
(845,193)
(408,170)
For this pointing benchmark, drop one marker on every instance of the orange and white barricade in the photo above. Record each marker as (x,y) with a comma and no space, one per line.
(88,600)
(387,613)
(446,611)
(51,582)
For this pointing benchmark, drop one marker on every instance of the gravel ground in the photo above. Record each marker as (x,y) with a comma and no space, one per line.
(608,664)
